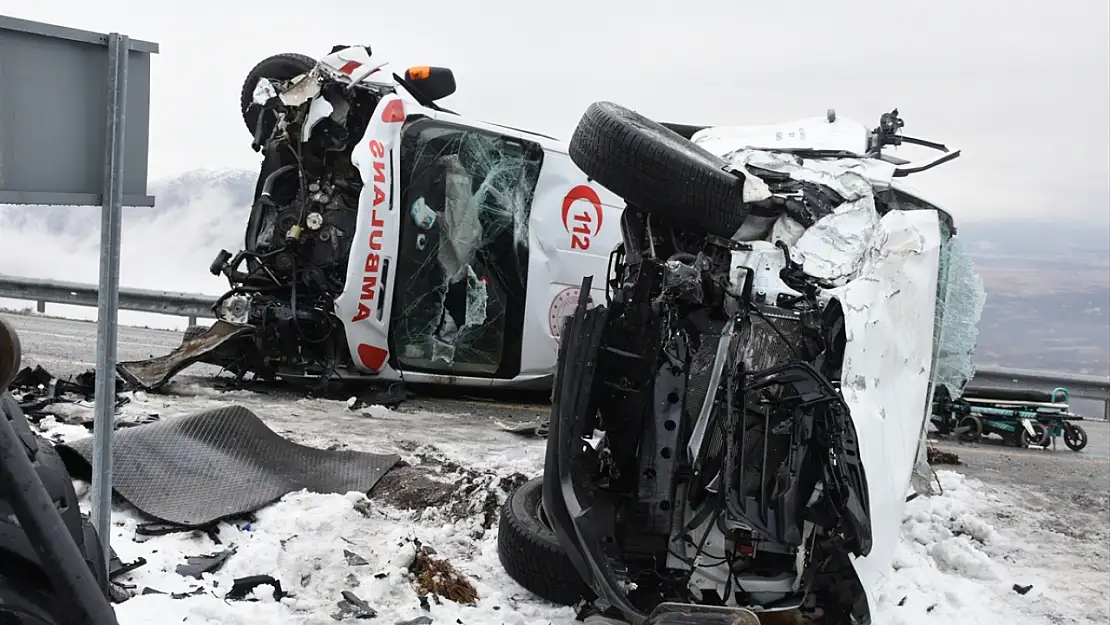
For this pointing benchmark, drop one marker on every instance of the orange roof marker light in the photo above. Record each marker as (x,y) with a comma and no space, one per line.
(418,73)
(434,83)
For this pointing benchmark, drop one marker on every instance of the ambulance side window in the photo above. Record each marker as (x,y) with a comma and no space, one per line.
(462,263)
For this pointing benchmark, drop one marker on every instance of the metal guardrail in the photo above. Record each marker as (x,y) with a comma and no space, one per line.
(191,305)
(194,305)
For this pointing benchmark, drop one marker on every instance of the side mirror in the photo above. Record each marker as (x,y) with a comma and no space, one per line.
(434,83)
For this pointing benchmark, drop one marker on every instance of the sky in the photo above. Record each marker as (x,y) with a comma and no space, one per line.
(1023,88)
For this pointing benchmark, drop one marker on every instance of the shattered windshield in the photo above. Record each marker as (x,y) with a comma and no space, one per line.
(463,258)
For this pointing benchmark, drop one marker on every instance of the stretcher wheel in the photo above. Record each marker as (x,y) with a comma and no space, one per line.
(1039,438)
(972,429)
(1075,437)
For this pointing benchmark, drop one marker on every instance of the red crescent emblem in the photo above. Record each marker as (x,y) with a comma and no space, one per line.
(582,192)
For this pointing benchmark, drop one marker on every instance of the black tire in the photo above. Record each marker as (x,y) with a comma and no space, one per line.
(1038,439)
(658,170)
(193,332)
(279,67)
(530,552)
(974,427)
(1075,437)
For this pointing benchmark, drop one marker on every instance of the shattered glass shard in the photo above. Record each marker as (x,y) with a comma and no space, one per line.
(469,194)
(462,230)
(960,300)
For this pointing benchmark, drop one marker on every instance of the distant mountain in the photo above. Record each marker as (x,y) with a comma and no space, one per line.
(1047,280)
(172,197)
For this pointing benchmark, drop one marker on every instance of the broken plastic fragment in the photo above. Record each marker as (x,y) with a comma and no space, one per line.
(263,91)
(787,231)
(243,587)
(354,559)
(354,607)
(199,565)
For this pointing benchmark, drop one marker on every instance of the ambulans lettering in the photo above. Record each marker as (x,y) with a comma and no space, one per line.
(372,265)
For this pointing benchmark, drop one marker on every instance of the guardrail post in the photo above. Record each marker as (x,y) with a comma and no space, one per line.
(192,321)
(40,306)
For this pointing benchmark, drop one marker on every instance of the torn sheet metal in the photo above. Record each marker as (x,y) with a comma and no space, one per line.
(833,249)
(153,373)
(830,204)
(851,178)
(220,463)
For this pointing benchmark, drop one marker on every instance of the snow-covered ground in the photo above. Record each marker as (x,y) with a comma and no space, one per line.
(952,565)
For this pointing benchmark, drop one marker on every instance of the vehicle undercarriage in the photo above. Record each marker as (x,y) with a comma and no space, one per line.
(700,450)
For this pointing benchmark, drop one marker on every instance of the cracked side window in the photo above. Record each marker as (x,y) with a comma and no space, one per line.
(462,265)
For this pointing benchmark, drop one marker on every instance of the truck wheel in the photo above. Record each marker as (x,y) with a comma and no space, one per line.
(279,67)
(530,551)
(658,170)
(1075,437)
(973,429)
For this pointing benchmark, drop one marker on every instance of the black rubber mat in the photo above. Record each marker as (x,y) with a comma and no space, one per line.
(220,463)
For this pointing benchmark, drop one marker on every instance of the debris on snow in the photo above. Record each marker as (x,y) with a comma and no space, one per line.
(437,577)
(354,607)
(952,566)
(255,588)
(936,456)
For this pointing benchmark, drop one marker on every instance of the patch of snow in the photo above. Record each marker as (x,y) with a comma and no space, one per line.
(951,565)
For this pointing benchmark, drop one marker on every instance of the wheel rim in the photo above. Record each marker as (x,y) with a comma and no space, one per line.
(975,428)
(1036,439)
(1075,437)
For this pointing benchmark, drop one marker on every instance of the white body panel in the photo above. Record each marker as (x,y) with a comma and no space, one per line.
(573,228)
(889,313)
(811,133)
(364,304)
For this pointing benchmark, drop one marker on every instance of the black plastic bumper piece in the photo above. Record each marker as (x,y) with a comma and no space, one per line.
(563,496)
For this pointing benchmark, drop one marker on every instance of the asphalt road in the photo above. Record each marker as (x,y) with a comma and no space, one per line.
(67,347)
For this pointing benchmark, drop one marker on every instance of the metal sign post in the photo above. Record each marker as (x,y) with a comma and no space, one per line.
(74,130)
(104,421)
